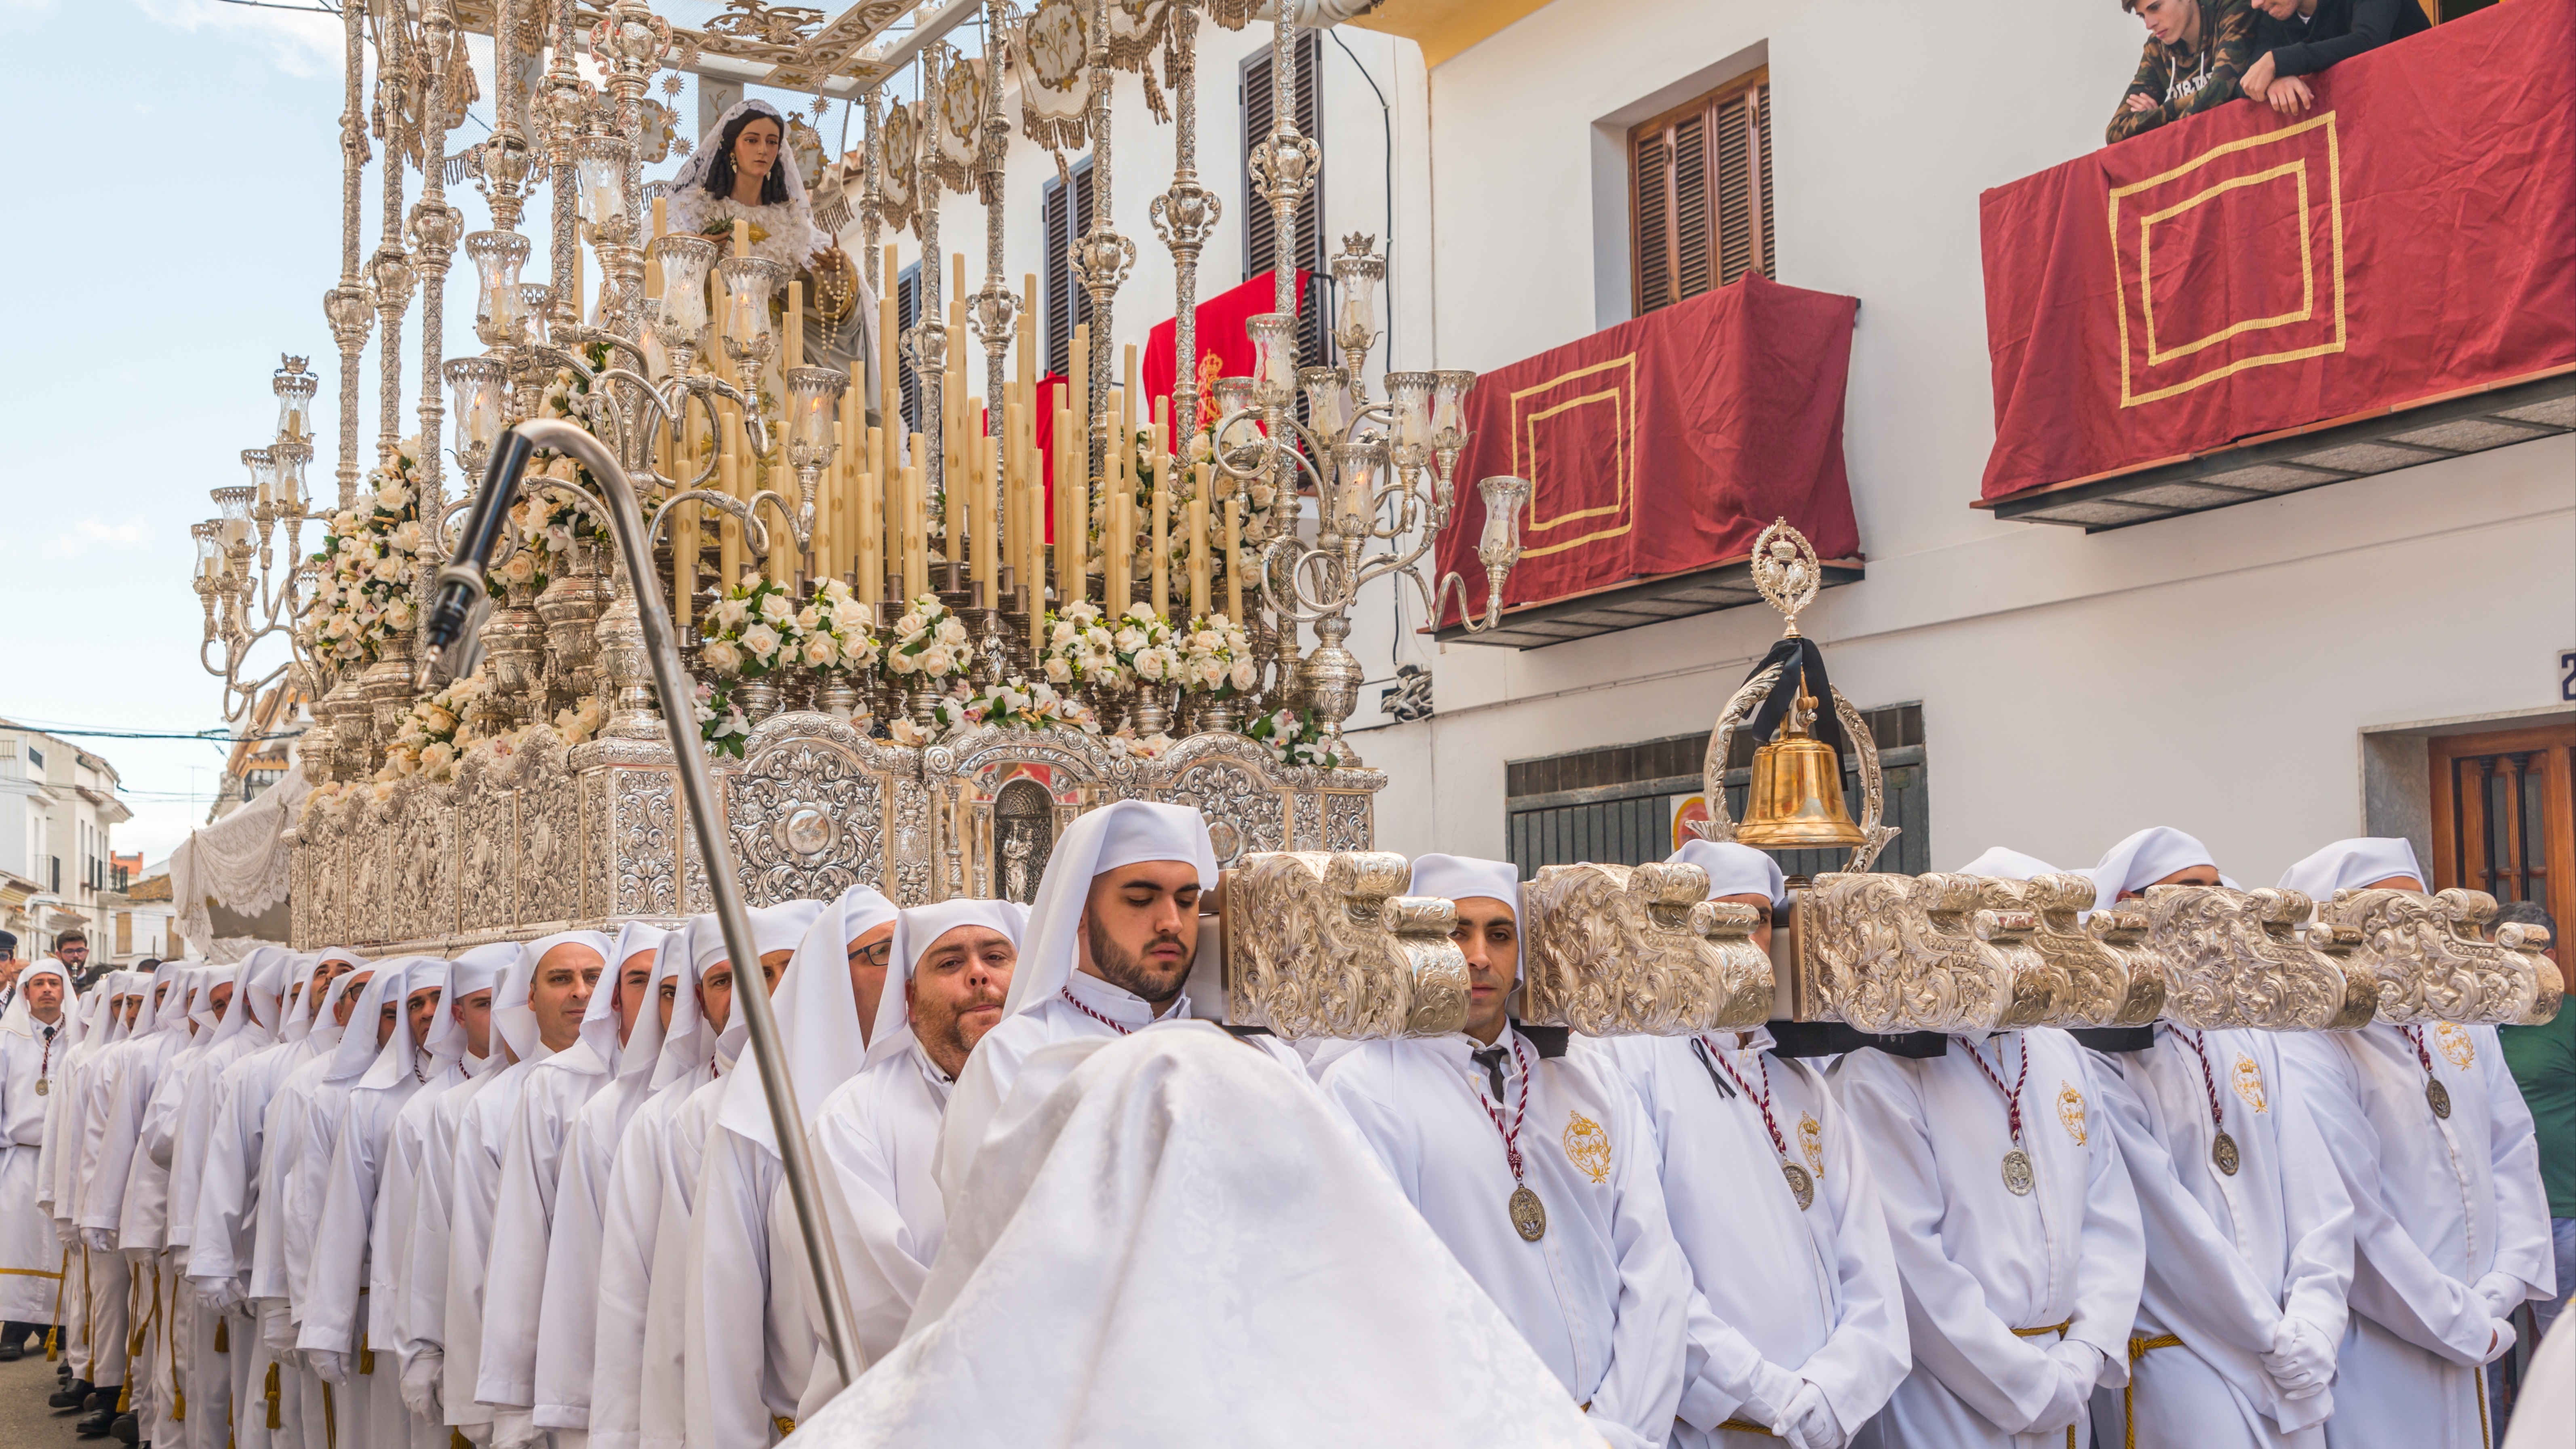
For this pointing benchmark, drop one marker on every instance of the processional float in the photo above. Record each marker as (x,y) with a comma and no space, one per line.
(709,636)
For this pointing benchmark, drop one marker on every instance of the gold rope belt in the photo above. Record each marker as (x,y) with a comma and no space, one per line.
(54,1330)
(270,1390)
(170,1334)
(2140,1346)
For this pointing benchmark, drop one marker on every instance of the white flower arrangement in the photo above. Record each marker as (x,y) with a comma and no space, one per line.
(579,724)
(1148,747)
(1295,738)
(1216,659)
(433,734)
(721,722)
(930,644)
(751,631)
(372,557)
(837,629)
(1012,704)
(1080,648)
(1144,642)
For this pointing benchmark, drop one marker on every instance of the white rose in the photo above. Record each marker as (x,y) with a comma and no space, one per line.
(438,721)
(907,626)
(731,612)
(819,649)
(521,568)
(398,615)
(563,470)
(720,656)
(1057,670)
(1130,640)
(902,663)
(1211,673)
(952,632)
(1261,495)
(1063,633)
(1245,674)
(935,660)
(809,619)
(774,608)
(761,641)
(1200,451)
(437,753)
(1149,663)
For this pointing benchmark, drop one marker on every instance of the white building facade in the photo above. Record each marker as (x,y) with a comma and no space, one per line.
(2269,676)
(57,806)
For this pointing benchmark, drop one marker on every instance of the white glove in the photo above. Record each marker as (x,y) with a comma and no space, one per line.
(1810,1421)
(2502,1292)
(2077,1365)
(218,1295)
(332,1367)
(99,1240)
(1773,1390)
(65,1233)
(420,1386)
(2503,1340)
(515,1428)
(2301,1362)
(276,1330)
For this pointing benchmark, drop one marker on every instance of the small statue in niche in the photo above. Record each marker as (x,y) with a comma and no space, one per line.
(1015,869)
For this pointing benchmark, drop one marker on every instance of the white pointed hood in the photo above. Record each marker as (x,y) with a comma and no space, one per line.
(818,1017)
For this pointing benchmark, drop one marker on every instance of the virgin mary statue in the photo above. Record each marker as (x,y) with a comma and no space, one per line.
(743,171)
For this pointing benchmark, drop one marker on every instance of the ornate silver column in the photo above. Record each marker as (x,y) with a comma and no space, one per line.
(390,268)
(506,159)
(564,106)
(930,331)
(995,310)
(1104,257)
(1184,217)
(434,228)
(347,307)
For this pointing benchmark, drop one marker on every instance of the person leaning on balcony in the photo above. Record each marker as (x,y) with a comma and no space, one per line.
(2294,38)
(2195,51)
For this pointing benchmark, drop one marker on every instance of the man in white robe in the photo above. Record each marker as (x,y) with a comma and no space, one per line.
(1288,1296)
(1107,952)
(408,1277)
(160,1029)
(143,1225)
(58,1171)
(531,1037)
(2016,1234)
(874,1138)
(1538,1169)
(225,1245)
(246,1025)
(1797,1323)
(2450,1225)
(746,1263)
(2248,1245)
(630,1210)
(775,932)
(337,1332)
(523,1214)
(280,1247)
(36,1035)
(568,1306)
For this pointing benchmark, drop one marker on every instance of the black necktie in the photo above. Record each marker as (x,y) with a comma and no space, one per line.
(1491,1059)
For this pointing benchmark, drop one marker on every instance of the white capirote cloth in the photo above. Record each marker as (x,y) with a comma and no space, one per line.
(2143,859)
(1734,870)
(1464,877)
(1989,1274)
(2352,865)
(1603,1296)
(2006,864)
(1273,1240)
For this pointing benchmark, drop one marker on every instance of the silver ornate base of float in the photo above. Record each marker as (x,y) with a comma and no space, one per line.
(544,838)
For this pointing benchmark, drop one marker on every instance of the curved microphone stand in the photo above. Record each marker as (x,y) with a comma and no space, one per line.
(458,601)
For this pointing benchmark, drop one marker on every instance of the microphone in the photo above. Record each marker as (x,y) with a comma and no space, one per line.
(458,599)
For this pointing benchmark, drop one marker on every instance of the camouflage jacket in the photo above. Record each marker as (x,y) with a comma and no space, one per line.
(2181,82)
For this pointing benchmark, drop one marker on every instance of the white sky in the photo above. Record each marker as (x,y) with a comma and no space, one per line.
(174,224)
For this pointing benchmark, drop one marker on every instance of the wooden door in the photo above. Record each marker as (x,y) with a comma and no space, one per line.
(2504,821)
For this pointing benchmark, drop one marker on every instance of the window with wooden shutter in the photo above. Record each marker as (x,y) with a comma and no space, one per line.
(907,311)
(1260,227)
(1062,219)
(1700,193)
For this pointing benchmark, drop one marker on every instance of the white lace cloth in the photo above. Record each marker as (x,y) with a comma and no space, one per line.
(240,862)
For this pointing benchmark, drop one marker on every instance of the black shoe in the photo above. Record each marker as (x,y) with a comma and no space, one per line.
(95,1426)
(11,1352)
(72,1394)
(100,1399)
(126,1427)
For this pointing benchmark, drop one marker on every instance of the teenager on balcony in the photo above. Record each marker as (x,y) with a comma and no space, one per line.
(2196,51)
(2294,38)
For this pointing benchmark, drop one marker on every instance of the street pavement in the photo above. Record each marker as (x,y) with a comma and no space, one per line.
(25,1422)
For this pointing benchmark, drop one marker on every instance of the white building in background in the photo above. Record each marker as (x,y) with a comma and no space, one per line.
(57,804)
(2269,675)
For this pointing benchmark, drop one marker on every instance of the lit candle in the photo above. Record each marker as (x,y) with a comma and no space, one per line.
(1028,321)
(1234,561)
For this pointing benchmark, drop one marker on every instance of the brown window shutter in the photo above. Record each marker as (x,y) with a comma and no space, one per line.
(1690,206)
(1059,277)
(1654,222)
(1738,229)
(1762,164)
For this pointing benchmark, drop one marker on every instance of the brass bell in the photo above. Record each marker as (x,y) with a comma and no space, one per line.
(1796,799)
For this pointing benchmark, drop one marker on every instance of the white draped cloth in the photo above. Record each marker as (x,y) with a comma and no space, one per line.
(2230,1256)
(1179,1246)
(1603,1296)
(1784,1297)
(2450,1226)
(2017,1307)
